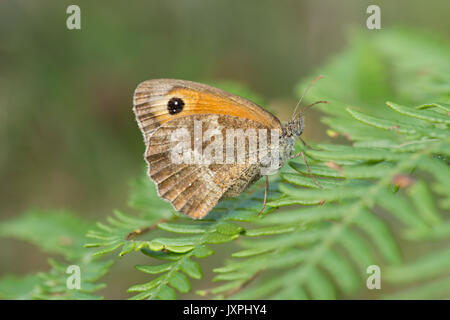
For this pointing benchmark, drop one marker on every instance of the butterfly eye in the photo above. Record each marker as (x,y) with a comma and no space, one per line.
(175,105)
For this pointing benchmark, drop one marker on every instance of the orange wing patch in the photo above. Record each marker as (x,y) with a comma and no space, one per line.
(206,103)
(151,104)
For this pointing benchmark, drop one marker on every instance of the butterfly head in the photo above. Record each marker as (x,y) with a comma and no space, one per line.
(294,128)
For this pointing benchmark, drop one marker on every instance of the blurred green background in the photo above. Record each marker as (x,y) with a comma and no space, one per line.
(68,138)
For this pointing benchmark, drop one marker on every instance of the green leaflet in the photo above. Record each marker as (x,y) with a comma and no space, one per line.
(427,267)
(155,269)
(192,269)
(180,282)
(184,228)
(420,114)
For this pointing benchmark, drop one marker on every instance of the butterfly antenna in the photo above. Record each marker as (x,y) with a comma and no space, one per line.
(304,93)
(313,104)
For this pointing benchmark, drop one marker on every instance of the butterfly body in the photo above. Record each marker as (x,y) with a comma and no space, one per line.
(173,114)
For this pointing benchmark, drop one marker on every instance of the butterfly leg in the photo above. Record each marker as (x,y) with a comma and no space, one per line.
(305,144)
(266,190)
(301,153)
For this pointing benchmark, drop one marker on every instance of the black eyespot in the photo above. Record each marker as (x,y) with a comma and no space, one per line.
(175,105)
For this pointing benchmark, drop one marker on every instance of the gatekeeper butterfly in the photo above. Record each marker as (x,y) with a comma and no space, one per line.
(167,109)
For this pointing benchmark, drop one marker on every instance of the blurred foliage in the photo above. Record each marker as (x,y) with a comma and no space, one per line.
(385,186)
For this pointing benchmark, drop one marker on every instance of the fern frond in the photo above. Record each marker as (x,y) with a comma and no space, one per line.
(183,241)
(314,254)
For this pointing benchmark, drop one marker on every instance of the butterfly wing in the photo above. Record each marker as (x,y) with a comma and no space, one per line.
(194,188)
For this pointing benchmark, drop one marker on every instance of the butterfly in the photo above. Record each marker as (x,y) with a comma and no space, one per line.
(167,109)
